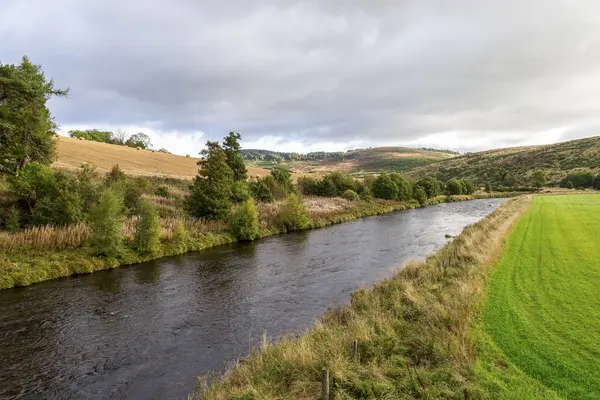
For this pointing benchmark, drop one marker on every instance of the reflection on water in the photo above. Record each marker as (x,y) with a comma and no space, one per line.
(147,331)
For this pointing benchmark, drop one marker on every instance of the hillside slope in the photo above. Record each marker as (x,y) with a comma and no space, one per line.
(364,161)
(557,160)
(71,153)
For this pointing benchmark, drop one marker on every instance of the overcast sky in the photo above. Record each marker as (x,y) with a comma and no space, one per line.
(318,74)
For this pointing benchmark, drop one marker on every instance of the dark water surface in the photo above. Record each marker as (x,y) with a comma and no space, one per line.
(147,331)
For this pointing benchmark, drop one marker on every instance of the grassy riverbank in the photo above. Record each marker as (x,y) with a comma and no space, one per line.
(542,302)
(406,337)
(40,254)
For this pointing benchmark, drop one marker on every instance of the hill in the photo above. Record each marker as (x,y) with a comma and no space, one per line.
(357,162)
(71,153)
(518,163)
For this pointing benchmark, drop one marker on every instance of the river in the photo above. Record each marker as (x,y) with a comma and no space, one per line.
(146,331)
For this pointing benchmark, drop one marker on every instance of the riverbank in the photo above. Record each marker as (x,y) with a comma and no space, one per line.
(46,253)
(412,336)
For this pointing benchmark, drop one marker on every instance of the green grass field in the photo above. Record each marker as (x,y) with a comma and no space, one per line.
(543,302)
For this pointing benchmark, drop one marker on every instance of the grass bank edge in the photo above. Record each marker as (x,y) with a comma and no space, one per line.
(38,267)
(415,335)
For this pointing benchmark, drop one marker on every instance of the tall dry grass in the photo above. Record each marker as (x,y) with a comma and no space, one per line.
(406,337)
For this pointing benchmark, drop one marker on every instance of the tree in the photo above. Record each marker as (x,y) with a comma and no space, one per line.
(404,186)
(454,187)
(283,177)
(430,185)
(106,223)
(468,186)
(260,191)
(140,140)
(231,146)
(293,215)
(539,179)
(26,125)
(210,193)
(147,228)
(570,185)
(420,195)
(244,222)
(92,134)
(385,188)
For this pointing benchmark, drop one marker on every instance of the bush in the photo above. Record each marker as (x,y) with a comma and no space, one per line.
(404,186)
(240,192)
(454,187)
(115,175)
(579,179)
(293,215)
(162,191)
(147,228)
(570,185)
(260,191)
(106,224)
(12,220)
(366,195)
(488,188)
(180,237)
(87,185)
(244,223)
(420,195)
(468,186)
(284,178)
(385,188)
(350,195)
(430,185)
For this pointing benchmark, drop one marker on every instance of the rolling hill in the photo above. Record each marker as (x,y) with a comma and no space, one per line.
(71,153)
(557,160)
(356,162)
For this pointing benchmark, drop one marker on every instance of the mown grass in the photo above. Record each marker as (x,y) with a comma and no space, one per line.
(406,337)
(543,302)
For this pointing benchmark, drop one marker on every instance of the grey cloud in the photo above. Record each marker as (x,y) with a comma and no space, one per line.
(381,72)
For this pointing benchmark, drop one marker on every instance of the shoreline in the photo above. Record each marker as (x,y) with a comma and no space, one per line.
(413,335)
(49,265)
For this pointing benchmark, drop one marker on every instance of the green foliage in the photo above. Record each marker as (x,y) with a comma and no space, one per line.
(597,183)
(570,185)
(404,186)
(115,175)
(147,228)
(139,140)
(431,186)
(284,178)
(106,224)
(240,192)
(26,126)
(468,186)
(231,146)
(210,193)
(420,195)
(293,215)
(582,179)
(88,187)
(368,181)
(162,191)
(276,189)
(539,179)
(331,185)
(260,191)
(12,220)
(95,135)
(180,237)
(350,195)
(488,188)
(34,182)
(454,187)
(244,222)
(385,188)
(366,195)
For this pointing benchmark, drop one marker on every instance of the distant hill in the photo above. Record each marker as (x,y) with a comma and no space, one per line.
(518,163)
(360,161)
(71,153)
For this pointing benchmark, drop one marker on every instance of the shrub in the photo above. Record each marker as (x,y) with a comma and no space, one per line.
(404,186)
(187,156)
(180,237)
(420,195)
(430,185)
(293,214)
(454,187)
(488,188)
(260,191)
(284,178)
(244,223)
(106,225)
(579,179)
(350,195)
(162,191)
(147,228)
(366,194)
(115,175)
(276,189)
(12,221)
(570,185)
(385,188)
(468,186)
(240,192)
(87,185)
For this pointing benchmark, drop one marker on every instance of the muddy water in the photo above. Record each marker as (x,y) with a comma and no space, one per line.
(147,331)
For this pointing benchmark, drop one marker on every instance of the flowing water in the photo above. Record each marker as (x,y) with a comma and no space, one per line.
(147,331)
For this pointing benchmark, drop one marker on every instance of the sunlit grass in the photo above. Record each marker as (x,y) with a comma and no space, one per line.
(543,302)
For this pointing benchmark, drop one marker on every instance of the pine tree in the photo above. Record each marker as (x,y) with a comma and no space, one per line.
(231,146)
